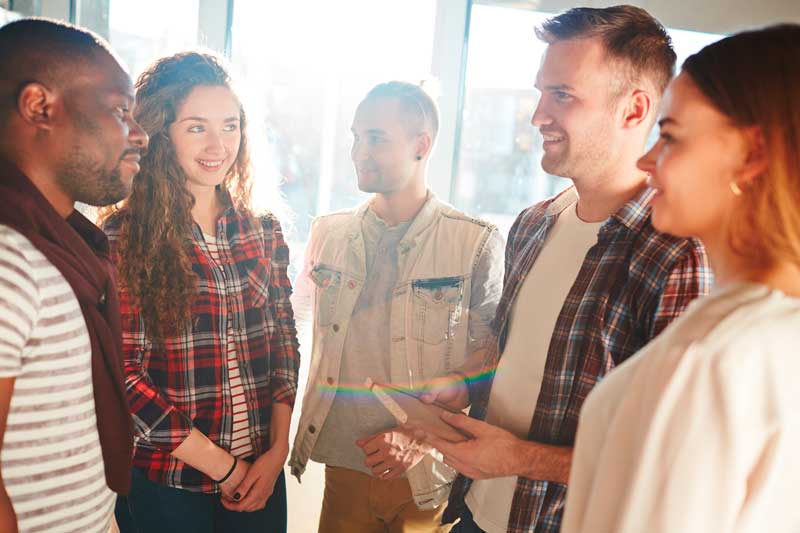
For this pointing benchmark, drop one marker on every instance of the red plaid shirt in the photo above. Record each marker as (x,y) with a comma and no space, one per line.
(186,383)
(631,285)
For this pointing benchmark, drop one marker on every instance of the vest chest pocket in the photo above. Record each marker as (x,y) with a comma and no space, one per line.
(437,305)
(328,283)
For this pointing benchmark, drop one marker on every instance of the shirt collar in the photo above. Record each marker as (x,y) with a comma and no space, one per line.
(635,213)
(230,217)
(632,215)
(563,200)
(421,221)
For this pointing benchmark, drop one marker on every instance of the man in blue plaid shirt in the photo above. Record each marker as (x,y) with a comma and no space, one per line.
(588,281)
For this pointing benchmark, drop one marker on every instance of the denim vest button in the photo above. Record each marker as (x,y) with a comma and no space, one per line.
(336,328)
(312,429)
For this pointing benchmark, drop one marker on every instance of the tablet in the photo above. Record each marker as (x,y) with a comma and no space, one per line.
(409,410)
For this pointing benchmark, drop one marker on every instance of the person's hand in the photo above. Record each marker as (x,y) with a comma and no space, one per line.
(491,452)
(257,486)
(450,390)
(228,488)
(391,453)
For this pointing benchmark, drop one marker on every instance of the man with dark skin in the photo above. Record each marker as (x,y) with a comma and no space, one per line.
(67,135)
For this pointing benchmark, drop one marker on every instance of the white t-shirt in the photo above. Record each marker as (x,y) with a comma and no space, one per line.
(51,460)
(700,430)
(519,374)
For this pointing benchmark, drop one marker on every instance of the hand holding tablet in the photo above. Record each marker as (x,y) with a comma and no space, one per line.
(413,413)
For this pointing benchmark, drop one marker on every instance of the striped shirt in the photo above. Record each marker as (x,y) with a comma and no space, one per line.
(52,465)
(240,437)
(632,283)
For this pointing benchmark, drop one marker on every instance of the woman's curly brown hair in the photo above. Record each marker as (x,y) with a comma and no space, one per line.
(156,220)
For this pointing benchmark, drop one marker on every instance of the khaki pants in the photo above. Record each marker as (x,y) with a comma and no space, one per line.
(357,503)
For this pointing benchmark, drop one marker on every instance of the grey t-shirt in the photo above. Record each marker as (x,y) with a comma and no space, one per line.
(353,414)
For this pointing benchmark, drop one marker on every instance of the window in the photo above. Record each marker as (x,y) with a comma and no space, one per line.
(498,159)
(7,16)
(308,65)
(145,30)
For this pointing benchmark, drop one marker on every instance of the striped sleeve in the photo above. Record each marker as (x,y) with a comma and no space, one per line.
(19,303)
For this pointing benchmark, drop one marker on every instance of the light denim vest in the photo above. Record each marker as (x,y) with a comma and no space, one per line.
(429,312)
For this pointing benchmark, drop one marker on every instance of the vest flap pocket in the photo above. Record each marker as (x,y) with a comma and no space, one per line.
(328,283)
(437,308)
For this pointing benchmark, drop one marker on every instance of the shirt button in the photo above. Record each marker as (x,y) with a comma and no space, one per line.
(351,284)
(330,381)
(336,328)
(312,429)
(437,295)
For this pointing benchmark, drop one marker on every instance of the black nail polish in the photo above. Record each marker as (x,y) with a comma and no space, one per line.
(237,496)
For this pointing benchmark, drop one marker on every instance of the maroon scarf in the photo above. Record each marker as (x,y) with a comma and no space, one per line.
(79,250)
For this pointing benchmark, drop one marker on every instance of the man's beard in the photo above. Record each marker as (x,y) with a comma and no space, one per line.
(582,158)
(88,182)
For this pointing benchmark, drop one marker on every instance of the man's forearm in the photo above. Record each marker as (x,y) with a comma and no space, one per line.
(544,462)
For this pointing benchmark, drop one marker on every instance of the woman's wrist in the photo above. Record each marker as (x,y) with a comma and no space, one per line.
(224,478)
(280,448)
(221,465)
(199,452)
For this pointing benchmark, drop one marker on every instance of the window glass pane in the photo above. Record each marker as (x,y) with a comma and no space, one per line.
(498,165)
(145,30)
(499,171)
(307,65)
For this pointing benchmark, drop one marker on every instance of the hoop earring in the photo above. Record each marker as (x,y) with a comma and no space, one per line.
(735,189)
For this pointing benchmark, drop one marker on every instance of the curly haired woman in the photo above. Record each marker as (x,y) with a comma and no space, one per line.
(211,353)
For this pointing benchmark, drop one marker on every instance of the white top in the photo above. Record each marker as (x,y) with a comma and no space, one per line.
(700,431)
(521,369)
(240,437)
(52,464)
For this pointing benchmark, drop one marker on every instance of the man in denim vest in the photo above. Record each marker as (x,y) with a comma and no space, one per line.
(402,289)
